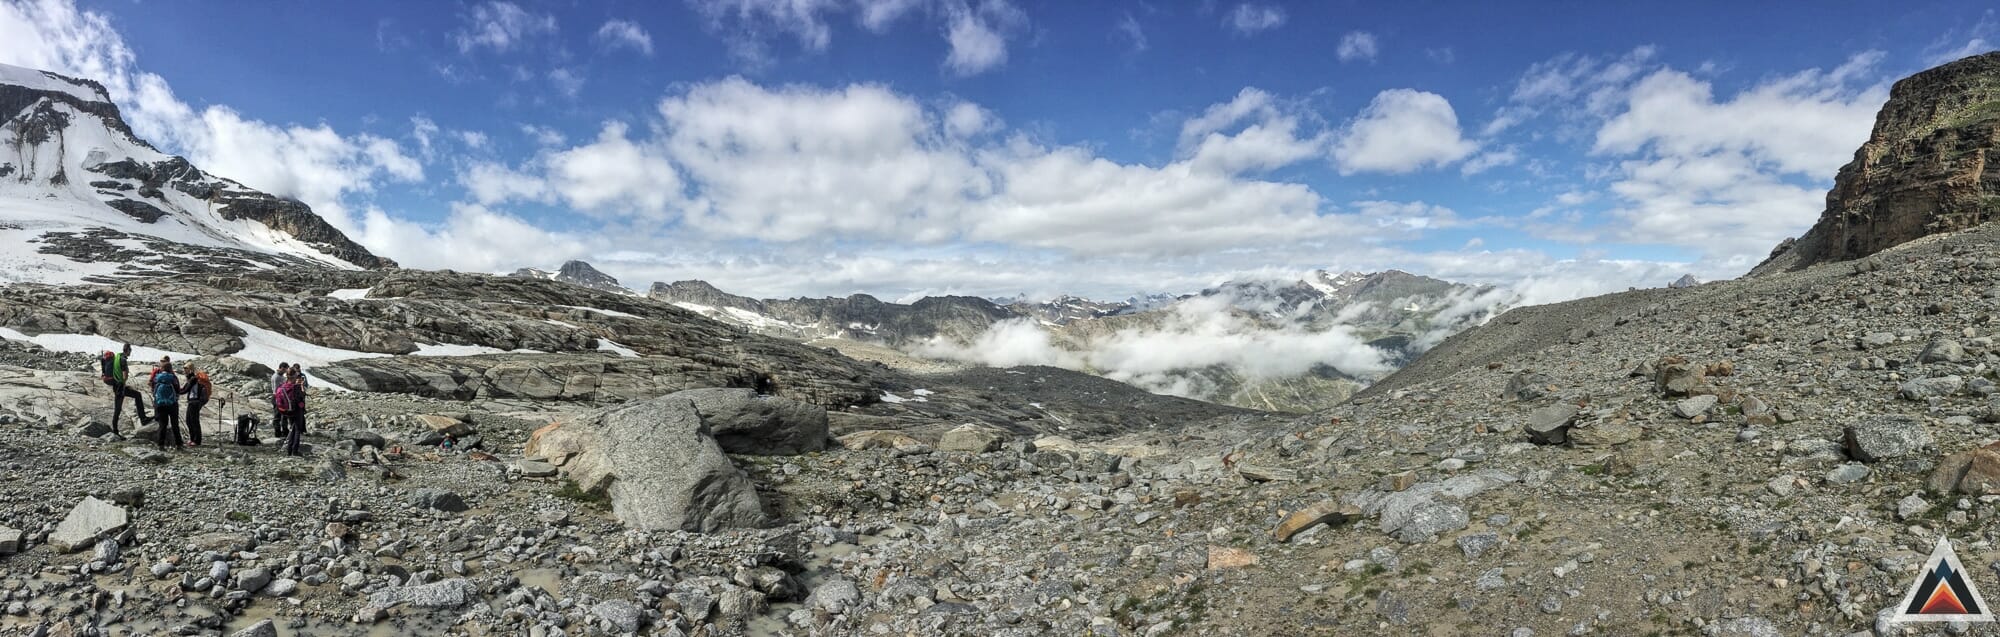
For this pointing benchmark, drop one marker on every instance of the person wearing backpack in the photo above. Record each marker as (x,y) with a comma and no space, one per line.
(166,404)
(290,400)
(198,390)
(278,379)
(115,374)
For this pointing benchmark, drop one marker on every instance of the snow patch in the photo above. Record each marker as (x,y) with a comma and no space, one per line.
(893,399)
(601,311)
(350,294)
(607,345)
(91,344)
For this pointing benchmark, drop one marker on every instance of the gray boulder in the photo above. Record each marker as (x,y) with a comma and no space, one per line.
(1550,425)
(451,593)
(621,615)
(657,462)
(263,628)
(971,438)
(1694,406)
(744,422)
(835,596)
(1924,388)
(1943,350)
(438,499)
(90,521)
(1888,437)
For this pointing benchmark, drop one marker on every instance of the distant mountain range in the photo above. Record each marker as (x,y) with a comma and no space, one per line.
(1396,313)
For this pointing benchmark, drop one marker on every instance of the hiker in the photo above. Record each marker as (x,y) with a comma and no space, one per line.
(198,390)
(112,366)
(166,404)
(290,400)
(277,414)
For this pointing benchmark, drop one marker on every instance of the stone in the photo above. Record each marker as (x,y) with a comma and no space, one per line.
(534,468)
(1422,521)
(1975,471)
(1324,512)
(451,593)
(1477,544)
(1260,473)
(656,462)
(880,439)
(263,628)
(1887,437)
(1911,506)
(1925,388)
(622,616)
(1605,434)
(107,551)
(91,428)
(438,499)
(281,587)
(1744,627)
(1847,474)
(1694,406)
(253,580)
(1222,557)
(1675,376)
(836,595)
(744,422)
(1490,579)
(91,520)
(1526,385)
(1942,350)
(10,541)
(444,425)
(971,438)
(1550,425)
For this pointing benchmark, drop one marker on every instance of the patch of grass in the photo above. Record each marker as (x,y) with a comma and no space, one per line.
(238,516)
(595,499)
(1592,469)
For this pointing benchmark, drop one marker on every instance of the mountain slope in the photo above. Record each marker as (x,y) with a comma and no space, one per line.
(575,272)
(82,199)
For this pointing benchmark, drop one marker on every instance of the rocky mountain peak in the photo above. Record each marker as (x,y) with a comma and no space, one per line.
(1924,169)
(574,272)
(83,199)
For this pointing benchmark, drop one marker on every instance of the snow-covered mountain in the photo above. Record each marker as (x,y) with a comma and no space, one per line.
(83,199)
(576,273)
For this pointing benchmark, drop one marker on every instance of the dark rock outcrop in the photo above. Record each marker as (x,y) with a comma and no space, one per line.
(574,273)
(1925,169)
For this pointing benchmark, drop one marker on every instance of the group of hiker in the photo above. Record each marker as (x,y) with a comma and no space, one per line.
(167,390)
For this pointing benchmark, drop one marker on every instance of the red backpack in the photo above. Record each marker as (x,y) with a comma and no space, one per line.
(286,398)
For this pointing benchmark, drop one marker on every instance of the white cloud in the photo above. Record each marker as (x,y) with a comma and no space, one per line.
(978,37)
(1489,160)
(1269,137)
(615,175)
(1249,18)
(1134,35)
(1978,37)
(473,238)
(500,26)
(1357,45)
(625,33)
(543,135)
(747,23)
(1400,131)
(566,81)
(473,139)
(424,130)
(879,15)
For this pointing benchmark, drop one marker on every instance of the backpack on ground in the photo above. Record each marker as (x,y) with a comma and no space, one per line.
(246,430)
(166,389)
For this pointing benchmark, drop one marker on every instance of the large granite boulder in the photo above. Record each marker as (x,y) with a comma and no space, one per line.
(657,462)
(746,423)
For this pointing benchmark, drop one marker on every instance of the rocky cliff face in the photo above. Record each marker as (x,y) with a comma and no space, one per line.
(1926,169)
(858,317)
(575,272)
(80,192)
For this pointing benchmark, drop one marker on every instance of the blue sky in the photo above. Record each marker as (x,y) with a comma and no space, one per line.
(900,147)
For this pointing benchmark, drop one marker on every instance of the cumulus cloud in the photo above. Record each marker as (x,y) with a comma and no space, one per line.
(1724,175)
(625,34)
(879,15)
(1401,130)
(473,238)
(1249,18)
(978,37)
(501,27)
(1356,45)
